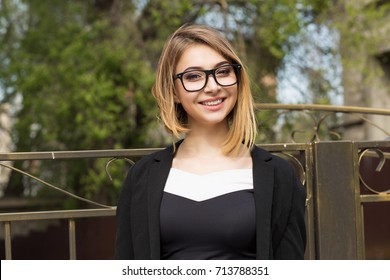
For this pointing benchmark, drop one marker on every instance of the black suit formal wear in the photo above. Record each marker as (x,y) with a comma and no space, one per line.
(279,204)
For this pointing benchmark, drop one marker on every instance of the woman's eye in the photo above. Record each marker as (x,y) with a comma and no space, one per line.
(193,76)
(224,71)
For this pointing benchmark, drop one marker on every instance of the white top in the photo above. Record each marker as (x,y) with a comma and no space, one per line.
(202,187)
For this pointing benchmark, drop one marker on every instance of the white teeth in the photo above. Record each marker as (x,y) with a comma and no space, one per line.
(212,103)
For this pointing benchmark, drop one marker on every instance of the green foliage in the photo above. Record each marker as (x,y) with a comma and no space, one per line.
(83,85)
(80,72)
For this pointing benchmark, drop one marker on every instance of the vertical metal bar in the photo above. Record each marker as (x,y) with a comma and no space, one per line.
(72,239)
(360,240)
(8,242)
(310,218)
(335,201)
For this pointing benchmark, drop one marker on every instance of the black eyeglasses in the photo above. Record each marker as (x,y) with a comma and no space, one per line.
(195,80)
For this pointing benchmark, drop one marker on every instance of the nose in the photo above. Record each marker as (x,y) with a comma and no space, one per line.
(211,83)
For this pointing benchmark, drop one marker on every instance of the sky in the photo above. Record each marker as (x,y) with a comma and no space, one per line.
(317,49)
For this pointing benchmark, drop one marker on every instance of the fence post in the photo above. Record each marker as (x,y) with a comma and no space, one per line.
(336,201)
(8,242)
(72,239)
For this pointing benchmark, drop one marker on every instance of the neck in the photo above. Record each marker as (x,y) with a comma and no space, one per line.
(205,140)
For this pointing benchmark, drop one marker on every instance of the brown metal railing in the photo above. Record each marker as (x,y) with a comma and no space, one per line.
(298,154)
(328,169)
(70,215)
(323,108)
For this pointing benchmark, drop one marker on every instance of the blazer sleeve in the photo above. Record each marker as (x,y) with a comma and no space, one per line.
(123,240)
(292,243)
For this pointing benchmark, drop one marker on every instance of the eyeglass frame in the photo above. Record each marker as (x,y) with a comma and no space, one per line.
(235,66)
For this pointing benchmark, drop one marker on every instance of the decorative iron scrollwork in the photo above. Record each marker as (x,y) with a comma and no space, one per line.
(61,189)
(115,159)
(382,160)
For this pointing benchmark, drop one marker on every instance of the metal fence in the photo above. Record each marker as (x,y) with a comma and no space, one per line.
(330,172)
(100,210)
(341,194)
(337,176)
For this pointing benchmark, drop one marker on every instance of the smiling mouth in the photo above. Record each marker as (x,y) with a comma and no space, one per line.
(212,103)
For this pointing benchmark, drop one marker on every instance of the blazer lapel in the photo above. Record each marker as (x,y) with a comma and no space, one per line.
(263,181)
(158,175)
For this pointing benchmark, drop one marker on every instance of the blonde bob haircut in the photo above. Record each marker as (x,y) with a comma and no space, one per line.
(242,123)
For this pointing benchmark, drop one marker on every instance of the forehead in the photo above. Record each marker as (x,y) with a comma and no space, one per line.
(199,56)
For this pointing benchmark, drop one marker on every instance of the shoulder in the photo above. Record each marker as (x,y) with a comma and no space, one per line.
(140,172)
(144,163)
(261,155)
(285,176)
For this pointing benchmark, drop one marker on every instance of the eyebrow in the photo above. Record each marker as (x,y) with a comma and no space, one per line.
(201,68)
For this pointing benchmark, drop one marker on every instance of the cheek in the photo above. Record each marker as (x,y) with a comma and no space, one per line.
(179,91)
(176,99)
(234,93)
(234,100)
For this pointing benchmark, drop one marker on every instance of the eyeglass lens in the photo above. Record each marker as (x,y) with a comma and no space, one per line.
(196,80)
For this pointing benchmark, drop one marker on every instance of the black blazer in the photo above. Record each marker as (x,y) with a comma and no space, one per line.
(279,203)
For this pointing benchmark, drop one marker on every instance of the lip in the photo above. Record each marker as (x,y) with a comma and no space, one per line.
(212,99)
(214,107)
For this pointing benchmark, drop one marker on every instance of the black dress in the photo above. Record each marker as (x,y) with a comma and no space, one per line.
(209,216)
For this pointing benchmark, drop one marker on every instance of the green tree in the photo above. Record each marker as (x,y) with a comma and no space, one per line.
(80,72)
(81,82)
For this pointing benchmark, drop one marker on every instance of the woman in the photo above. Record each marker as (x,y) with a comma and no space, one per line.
(214,194)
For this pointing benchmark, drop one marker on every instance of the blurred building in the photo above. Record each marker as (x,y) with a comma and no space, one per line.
(366,68)
(5,143)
